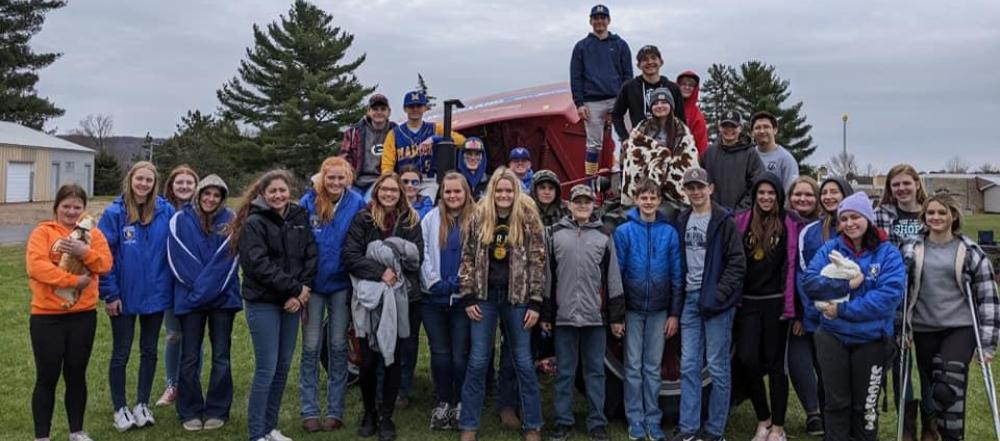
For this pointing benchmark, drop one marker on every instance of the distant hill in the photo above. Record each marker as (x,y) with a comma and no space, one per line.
(125,148)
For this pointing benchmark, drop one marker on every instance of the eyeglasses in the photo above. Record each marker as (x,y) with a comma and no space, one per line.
(473,153)
(413,182)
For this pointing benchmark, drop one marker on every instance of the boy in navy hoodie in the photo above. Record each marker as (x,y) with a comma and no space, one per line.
(713,278)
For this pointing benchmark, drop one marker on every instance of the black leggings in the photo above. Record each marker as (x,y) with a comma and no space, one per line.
(368,379)
(955,345)
(852,376)
(761,339)
(61,344)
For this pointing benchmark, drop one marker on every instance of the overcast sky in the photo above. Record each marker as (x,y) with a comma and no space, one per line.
(919,79)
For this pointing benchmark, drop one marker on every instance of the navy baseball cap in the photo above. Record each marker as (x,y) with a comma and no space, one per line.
(600,10)
(731,117)
(415,98)
(519,153)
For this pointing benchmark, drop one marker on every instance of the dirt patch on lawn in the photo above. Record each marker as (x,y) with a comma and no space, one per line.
(31,213)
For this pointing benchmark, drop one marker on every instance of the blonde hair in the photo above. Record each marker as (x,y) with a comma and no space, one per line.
(803,179)
(404,212)
(465,214)
(902,169)
(128,195)
(168,186)
(949,203)
(324,205)
(523,214)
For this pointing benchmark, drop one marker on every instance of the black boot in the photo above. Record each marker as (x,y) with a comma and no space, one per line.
(928,427)
(910,420)
(368,423)
(386,429)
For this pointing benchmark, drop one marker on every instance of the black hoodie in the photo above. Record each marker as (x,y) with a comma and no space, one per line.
(733,169)
(632,99)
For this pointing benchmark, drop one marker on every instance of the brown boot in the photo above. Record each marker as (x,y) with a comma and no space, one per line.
(532,435)
(910,420)
(509,418)
(468,435)
(311,425)
(928,427)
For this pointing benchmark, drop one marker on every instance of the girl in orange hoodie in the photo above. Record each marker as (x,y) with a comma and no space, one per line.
(62,330)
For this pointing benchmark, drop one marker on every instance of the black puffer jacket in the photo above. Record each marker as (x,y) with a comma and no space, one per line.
(364,231)
(278,255)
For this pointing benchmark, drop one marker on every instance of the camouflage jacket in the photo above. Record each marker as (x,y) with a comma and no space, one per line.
(527,267)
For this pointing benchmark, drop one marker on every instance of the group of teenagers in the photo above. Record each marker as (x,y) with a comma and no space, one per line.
(806,289)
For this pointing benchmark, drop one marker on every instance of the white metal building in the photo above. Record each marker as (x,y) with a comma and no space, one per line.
(33,164)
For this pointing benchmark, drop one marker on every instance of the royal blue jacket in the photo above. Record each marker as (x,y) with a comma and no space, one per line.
(423,205)
(598,68)
(810,241)
(206,274)
(649,257)
(139,277)
(331,277)
(869,313)
(724,266)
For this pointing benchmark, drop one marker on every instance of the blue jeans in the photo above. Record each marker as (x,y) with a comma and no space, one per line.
(172,347)
(409,352)
(122,334)
(575,346)
(506,377)
(482,334)
(448,335)
(705,340)
(338,310)
(190,402)
(801,372)
(273,333)
(643,355)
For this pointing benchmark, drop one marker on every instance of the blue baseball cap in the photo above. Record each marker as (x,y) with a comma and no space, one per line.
(414,98)
(519,153)
(600,10)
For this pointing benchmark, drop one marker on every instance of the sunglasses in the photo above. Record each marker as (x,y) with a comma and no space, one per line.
(413,182)
(473,153)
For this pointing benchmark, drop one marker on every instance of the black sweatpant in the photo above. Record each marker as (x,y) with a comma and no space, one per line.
(368,379)
(853,377)
(955,344)
(61,344)
(761,339)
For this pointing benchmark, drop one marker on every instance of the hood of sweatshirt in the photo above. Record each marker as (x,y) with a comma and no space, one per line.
(775,181)
(212,180)
(845,187)
(693,101)
(473,177)
(545,176)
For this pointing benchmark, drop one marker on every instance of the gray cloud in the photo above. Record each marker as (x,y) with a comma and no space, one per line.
(917,78)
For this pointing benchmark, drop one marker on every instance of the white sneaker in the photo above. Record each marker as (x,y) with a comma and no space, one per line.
(275,435)
(124,420)
(192,425)
(213,423)
(143,416)
(762,433)
(80,436)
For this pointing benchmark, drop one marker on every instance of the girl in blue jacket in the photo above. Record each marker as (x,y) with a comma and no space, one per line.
(854,337)
(331,208)
(206,292)
(139,286)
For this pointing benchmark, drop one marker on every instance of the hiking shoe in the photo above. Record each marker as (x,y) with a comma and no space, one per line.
(367,427)
(213,423)
(276,435)
(311,425)
(124,419)
(560,433)
(386,429)
(762,433)
(532,435)
(168,397)
(143,417)
(509,418)
(80,436)
(193,425)
(814,425)
(636,432)
(439,417)
(655,433)
(599,433)
(330,424)
(454,412)
(685,437)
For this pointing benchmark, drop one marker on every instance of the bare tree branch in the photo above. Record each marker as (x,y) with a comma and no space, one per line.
(844,165)
(98,128)
(956,165)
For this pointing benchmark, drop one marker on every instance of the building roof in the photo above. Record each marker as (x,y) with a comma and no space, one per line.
(545,100)
(18,135)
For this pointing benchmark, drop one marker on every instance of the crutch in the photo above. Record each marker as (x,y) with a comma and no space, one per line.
(903,359)
(991,392)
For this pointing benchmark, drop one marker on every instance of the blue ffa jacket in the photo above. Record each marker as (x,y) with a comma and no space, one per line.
(206,274)
(869,313)
(139,277)
(649,258)
(598,68)
(810,241)
(331,277)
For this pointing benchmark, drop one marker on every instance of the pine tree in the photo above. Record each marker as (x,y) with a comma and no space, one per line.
(211,145)
(294,90)
(717,96)
(759,88)
(107,174)
(422,86)
(19,101)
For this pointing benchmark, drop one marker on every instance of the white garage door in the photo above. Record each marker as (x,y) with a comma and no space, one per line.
(18,182)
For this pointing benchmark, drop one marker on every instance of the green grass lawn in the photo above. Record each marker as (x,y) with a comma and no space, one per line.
(17,375)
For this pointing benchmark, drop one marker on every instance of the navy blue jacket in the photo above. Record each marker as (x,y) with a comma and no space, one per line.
(331,277)
(139,276)
(206,275)
(598,68)
(725,264)
(649,257)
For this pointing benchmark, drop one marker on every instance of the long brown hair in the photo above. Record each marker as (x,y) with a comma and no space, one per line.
(168,186)
(402,212)
(465,214)
(324,205)
(206,218)
(670,125)
(803,179)
(252,192)
(523,214)
(902,169)
(128,195)
(766,227)
(68,191)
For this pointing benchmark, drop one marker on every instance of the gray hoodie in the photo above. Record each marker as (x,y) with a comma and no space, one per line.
(733,170)
(582,266)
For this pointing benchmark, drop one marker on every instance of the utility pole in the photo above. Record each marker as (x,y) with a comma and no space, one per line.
(844,119)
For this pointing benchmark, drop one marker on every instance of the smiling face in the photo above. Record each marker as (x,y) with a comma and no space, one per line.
(730,133)
(388,194)
(411,185)
(546,192)
(520,167)
(143,182)
(660,109)
(276,195)
(209,199)
(581,208)
(69,210)
(415,112)
(830,196)
(939,218)
(648,203)
(687,85)
(378,114)
(764,132)
(803,199)
(650,65)
(183,187)
(453,194)
(699,194)
(766,197)
(904,189)
(853,224)
(599,23)
(503,195)
(472,158)
(335,180)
